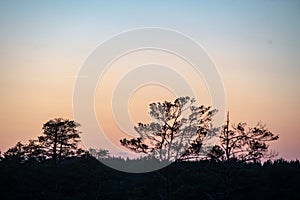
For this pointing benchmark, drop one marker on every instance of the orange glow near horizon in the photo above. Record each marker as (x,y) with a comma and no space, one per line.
(139,99)
(257,57)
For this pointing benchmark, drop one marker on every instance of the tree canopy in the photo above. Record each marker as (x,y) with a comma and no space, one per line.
(242,143)
(60,138)
(176,127)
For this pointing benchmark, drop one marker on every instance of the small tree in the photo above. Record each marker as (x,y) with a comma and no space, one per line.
(243,144)
(99,153)
(175,128)
(15,153)
(60,138)
(25,152)
(34,151)
(238,145)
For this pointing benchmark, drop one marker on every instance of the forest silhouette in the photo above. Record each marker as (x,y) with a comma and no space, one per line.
(54,167)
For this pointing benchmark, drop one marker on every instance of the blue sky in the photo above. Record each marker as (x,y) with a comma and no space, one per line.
(255,45)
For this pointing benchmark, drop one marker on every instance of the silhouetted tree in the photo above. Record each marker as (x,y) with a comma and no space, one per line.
(175,128)
(25,152)
(99,153)
(60,138)
(239,145)
(243,144)
(15,153)
(34,151)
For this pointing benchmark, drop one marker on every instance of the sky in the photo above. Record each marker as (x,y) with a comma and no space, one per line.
(255,46)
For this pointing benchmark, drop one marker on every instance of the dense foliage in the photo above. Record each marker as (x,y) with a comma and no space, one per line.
(86,178)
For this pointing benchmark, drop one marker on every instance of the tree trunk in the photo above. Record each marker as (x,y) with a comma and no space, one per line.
(54,157)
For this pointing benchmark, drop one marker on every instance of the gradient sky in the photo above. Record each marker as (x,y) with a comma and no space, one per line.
(255,46)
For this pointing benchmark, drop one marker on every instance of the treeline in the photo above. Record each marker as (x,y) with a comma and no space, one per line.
(54,167)
(86,178)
